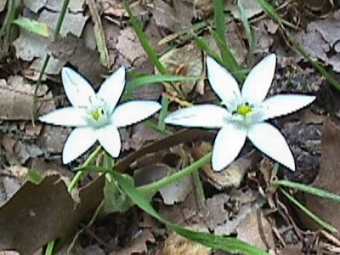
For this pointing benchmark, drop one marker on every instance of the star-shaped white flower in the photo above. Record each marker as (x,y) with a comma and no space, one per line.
(96,116)
(244,114)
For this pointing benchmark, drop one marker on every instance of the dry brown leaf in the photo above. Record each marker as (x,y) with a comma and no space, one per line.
(255,227)
(129,47)
(184,61)
(178,245)
(16,99)
(72,50)
(326,179)
(321,40)
(172,17)
(251,8)
(138,244)
(232,175)
(171,194)
(40,213)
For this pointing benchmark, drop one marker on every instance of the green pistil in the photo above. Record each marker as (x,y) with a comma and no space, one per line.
(244,110)
(98,114)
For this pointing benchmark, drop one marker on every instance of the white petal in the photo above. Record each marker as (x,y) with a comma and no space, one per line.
(258,81)
(133,112)
(206,116)
(79,141)
(112,88)
(270,141)
(109,138)
(228,144)
(68,116)
(222,82)
(77,89)
(284,104)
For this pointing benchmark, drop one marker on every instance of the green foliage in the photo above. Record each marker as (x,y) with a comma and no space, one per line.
(33,26)
(227,244)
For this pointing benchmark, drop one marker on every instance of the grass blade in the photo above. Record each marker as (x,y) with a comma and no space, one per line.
(314,217)
(150,51)
(163,113)
(219,18)
(247,27)
(228,244)
(204,46)
(307,189)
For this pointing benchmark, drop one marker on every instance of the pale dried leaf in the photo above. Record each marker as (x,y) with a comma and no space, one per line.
(128,45)
(16,99)
(178,245)
(251,8)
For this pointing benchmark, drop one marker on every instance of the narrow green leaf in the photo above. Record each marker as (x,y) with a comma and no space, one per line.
(269,9)
(229,61)
(163,113)
(219,18)
(114,199)
(313,216)
(50,248)
(153,79)
(145,42)
(33,26)
(227,244)
(204,46)
(308,189)
(246,25)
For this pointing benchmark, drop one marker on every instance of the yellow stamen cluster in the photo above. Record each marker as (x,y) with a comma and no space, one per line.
(244,110)
(97,114)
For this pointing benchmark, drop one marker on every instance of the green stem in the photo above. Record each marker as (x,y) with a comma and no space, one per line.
(50,248)
(80,174)
(313,216)
(154,187)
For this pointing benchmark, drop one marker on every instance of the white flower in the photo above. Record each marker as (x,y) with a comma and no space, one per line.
(244,114)
(96,116)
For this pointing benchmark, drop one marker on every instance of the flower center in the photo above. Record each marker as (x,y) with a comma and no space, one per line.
(98,113)
(244,110)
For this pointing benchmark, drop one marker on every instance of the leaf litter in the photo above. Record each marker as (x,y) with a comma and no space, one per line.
(234,197)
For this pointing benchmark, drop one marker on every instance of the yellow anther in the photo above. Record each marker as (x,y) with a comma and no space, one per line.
(97,114)
(244,110)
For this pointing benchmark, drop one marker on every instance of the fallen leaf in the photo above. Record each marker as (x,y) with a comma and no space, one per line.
(54,215)
(232,175)
(35,5)
(53,138)
(73,6)
(171,194)
(253,228)
(185,61)
(178,245)
(321,40)
(138,245)
(72,50)
(16,99)
(251,8)
(328,173)
(129,46)
(244,204)
(77,20)
(173,17)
